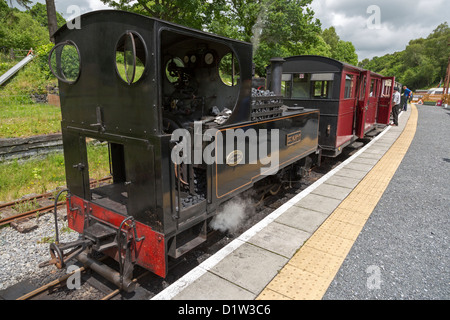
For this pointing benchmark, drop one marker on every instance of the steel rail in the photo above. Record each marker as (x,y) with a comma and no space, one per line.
(34,211)
(49,285)
(55,282)
(28,213)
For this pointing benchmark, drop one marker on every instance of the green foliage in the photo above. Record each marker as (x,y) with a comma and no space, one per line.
(421,65)
(39,13)
(338,49)
(21,31)
(42,53)
(274,27)
(184,12)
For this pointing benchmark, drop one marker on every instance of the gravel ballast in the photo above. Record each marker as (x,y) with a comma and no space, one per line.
(21,253)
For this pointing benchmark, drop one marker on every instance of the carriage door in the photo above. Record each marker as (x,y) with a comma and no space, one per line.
(363,103)
(385,102)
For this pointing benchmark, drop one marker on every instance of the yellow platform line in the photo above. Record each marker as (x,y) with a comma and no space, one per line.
(309,273)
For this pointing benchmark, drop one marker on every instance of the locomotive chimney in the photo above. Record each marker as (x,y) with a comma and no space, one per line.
(275,75)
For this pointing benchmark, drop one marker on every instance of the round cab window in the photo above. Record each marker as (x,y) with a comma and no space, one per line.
(131,56)
(229,70)
(64,62)
(174,69)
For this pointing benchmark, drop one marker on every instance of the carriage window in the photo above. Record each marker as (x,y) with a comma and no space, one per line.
(386,87)
(373,88)
(130,57)
(286,85)
(348,86)
(301,85)
(321,85)
(229,70)
(64,62)
(322,89)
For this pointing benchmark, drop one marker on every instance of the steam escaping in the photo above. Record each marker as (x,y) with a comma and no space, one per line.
(259,25)
(232,215)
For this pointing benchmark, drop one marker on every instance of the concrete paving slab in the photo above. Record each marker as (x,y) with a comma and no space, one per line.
(359,166)
(342,181)
(386,143)
(377,150)
(332,191)
(249,267)
(365,160)
(376,156)
(281,239)
(318,203)
(388,139)
(303,219)
(355,174)
(201,289)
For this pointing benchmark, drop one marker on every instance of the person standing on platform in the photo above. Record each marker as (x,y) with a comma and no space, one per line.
(396,99)
(406,95)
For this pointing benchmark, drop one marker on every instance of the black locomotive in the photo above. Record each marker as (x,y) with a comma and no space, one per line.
(184,132)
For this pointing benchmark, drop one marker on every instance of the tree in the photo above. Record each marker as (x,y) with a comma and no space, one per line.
(18,30)
(274,27)
(331,37)
(39,13)
(185,12)
(52,19)
(345,51)
(340,50)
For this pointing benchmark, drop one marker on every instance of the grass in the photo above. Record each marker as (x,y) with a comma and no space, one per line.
(23,120)
(19,178)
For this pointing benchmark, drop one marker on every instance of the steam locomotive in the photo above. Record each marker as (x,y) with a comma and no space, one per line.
(184,134)
(175,107)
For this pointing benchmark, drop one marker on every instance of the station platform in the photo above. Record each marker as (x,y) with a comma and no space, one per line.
(362,231)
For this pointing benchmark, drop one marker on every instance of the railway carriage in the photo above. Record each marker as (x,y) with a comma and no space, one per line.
(351,100)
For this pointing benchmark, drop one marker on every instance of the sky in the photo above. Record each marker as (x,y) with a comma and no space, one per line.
(375,27)
(378,27)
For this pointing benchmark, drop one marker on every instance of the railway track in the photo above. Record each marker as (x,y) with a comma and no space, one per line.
(35,200)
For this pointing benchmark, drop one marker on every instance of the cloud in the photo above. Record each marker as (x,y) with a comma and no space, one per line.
(398,22)
(83,6)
